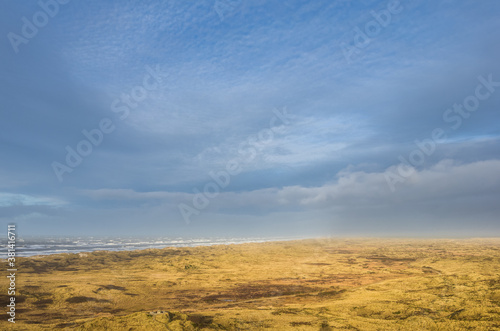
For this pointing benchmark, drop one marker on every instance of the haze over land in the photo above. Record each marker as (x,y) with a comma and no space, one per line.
(250,118)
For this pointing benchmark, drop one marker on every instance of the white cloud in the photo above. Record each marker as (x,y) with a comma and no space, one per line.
(446,182)
(13,199)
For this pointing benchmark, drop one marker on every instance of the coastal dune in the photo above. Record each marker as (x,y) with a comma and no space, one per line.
(324,284)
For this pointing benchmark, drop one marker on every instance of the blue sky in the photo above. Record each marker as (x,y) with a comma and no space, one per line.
(316,106)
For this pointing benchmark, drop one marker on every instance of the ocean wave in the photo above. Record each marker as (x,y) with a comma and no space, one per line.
(48,246)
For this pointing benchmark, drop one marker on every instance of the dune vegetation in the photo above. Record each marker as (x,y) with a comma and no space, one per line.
(327,284)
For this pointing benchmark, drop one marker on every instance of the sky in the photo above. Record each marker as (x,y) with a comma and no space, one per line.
(250,118)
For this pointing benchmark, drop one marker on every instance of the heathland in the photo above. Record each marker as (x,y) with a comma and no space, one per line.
(327,284)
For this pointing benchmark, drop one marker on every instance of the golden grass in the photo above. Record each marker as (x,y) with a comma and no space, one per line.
(359,284)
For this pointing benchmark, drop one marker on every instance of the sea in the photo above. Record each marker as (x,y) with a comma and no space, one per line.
(56,245)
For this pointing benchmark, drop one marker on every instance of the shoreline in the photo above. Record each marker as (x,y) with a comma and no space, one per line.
(122,246)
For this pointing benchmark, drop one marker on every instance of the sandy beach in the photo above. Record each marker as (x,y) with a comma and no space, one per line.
(327,284)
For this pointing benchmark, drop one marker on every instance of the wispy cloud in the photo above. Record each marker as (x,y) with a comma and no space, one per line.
(221,81)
